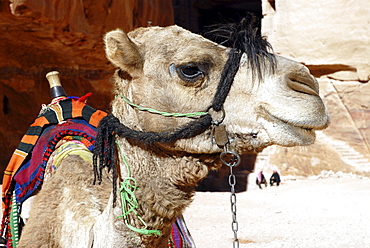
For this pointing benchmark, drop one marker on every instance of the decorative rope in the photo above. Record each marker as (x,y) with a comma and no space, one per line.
(14,224)
(189,115)
(109,126)
(129,201)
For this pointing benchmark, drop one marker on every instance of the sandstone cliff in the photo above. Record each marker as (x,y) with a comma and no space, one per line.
(39,36)
(332,38)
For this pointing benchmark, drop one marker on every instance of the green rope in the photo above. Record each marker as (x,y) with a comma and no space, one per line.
(129,201)
(14,225)
(190,115)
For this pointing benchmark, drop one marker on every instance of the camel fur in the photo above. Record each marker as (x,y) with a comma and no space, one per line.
(173,70)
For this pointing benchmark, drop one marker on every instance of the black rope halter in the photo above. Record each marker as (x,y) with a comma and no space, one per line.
(244,39)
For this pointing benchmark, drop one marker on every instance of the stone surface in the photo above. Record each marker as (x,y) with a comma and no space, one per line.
(44,35)
(343,146)
(332,38)
(334,44)
(334,34)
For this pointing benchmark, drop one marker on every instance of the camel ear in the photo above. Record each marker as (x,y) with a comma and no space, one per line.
(122,52)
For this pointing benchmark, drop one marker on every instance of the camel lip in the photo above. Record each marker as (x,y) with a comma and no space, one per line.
(308,124)
(304,128)
(304,135)
(297,126)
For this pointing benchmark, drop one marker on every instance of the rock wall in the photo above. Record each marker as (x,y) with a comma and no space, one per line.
(37,36)
(332,38)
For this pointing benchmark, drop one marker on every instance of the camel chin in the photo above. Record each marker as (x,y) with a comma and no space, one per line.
(288,135)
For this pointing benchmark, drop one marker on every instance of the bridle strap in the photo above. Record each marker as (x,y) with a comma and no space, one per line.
(244,40)
(110,125)
(227,78)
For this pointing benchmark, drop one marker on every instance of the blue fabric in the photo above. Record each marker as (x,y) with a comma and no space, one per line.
(30,176)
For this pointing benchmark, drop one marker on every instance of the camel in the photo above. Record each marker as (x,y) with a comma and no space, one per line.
(270,100)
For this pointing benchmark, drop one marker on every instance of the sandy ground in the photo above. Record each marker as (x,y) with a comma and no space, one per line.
(306,213)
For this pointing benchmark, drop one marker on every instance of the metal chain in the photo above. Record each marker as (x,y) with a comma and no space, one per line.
(232,159)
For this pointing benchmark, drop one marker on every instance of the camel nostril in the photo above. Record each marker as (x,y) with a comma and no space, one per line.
(303,82)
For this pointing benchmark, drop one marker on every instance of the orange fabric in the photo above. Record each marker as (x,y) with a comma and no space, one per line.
(29,139)
(96,117)
(41,121)
(77,107)
(18,156)
(14,164)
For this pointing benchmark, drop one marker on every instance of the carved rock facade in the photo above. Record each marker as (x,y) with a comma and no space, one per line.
(40,36)
(332,39)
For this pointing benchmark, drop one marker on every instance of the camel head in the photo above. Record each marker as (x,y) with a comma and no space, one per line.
(272,100)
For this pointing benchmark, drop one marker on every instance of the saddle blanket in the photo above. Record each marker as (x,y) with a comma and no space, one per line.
(64,127)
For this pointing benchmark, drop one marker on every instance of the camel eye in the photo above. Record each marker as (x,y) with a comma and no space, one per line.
(190,72)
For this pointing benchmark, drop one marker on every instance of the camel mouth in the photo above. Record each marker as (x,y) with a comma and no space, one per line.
(301,127)
(305,128)
(300,130)
(295,134)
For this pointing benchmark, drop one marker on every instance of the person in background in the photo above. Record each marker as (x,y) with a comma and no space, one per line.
(275,178)
(261,180)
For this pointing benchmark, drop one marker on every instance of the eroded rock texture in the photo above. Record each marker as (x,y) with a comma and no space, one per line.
(332,38)
(39,36)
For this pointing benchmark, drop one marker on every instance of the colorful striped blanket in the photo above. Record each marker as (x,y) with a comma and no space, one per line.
(64,120)
(56,112)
